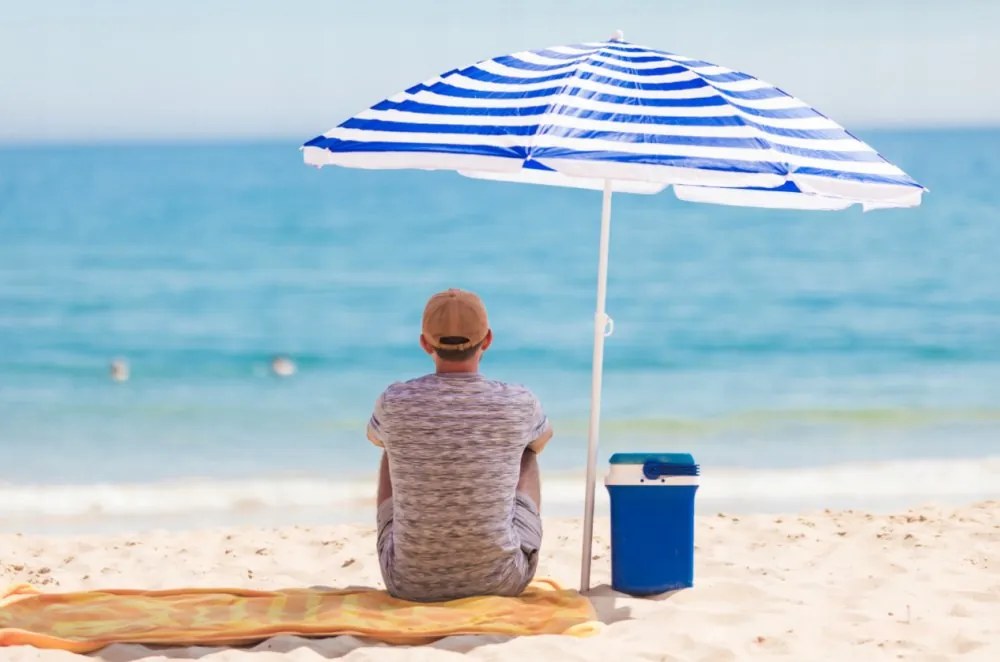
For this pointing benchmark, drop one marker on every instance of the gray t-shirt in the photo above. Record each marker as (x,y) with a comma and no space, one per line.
(455,442)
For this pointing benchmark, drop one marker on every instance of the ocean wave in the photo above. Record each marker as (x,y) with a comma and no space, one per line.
(886,417)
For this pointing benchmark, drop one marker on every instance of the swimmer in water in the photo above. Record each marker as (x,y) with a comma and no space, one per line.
(282,366)
(119,370)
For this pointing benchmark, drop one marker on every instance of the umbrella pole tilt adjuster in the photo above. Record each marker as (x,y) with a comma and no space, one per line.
(609,326)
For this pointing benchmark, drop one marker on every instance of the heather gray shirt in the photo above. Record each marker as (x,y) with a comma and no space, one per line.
(455,443)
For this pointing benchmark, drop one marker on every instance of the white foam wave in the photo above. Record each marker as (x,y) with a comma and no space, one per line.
(926,479)
(868,484)
(353,498)
(172,498)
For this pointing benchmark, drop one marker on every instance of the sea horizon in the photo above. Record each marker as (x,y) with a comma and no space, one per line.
(257,139)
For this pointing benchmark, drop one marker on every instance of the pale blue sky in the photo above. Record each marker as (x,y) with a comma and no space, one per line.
(115,70)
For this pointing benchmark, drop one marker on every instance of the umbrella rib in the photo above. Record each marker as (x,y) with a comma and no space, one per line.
(552,105)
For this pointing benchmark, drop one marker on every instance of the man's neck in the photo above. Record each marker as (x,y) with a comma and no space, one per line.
(454,368)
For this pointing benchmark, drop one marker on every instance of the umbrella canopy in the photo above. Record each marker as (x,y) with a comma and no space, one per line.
(619,117)
(642,118)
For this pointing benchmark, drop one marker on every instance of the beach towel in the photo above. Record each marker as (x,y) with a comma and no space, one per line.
(86,621)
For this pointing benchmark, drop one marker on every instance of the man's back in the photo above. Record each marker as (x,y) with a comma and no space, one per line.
(454,443)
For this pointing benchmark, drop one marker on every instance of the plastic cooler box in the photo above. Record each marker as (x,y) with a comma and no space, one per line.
(652,521)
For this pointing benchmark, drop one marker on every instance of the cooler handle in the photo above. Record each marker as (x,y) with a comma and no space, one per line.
(652,470)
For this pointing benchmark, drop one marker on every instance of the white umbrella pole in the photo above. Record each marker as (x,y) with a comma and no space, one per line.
(602,327)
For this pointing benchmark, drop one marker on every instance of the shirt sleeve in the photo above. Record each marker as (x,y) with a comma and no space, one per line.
(375,423)
(541,428)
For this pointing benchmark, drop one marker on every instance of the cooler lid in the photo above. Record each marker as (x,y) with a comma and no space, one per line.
(657,465)
(681,459)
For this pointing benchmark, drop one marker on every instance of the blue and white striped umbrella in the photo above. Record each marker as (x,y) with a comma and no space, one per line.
(640,118)
(620,117)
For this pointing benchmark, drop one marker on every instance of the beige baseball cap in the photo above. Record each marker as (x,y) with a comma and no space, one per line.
(455,319)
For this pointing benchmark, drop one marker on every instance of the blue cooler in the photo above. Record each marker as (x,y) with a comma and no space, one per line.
(652,521)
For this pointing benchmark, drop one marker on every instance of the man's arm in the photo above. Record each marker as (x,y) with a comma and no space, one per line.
(375,435)
(541,429)
(376,421)
(384,481)
(538,444)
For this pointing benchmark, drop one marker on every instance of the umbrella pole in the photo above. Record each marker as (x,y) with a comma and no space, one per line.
(602,328)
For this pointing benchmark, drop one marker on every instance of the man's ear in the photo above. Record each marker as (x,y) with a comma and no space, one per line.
(426,346)
(487,341)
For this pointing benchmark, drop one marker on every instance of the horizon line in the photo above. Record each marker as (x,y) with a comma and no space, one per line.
(257,139)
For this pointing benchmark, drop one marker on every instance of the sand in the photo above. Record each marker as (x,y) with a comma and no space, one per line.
(923,584)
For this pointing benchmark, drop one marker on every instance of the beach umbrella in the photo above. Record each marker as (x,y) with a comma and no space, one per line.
(619,117)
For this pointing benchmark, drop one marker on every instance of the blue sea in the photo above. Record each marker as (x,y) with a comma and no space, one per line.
(802,357)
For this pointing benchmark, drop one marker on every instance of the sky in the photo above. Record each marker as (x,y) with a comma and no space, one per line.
(116,71)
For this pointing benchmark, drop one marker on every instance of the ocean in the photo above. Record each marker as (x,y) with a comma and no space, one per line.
(817,358)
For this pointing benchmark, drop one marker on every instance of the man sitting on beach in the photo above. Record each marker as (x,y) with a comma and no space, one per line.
(459,489)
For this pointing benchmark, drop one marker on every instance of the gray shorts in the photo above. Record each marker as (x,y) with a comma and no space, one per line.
(527,527)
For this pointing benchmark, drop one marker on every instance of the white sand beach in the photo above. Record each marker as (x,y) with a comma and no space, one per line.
(923,584)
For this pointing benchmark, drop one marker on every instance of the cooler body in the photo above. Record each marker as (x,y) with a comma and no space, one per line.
(652,521)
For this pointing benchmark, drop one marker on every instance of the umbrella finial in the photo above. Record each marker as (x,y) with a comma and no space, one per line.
(618,35)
